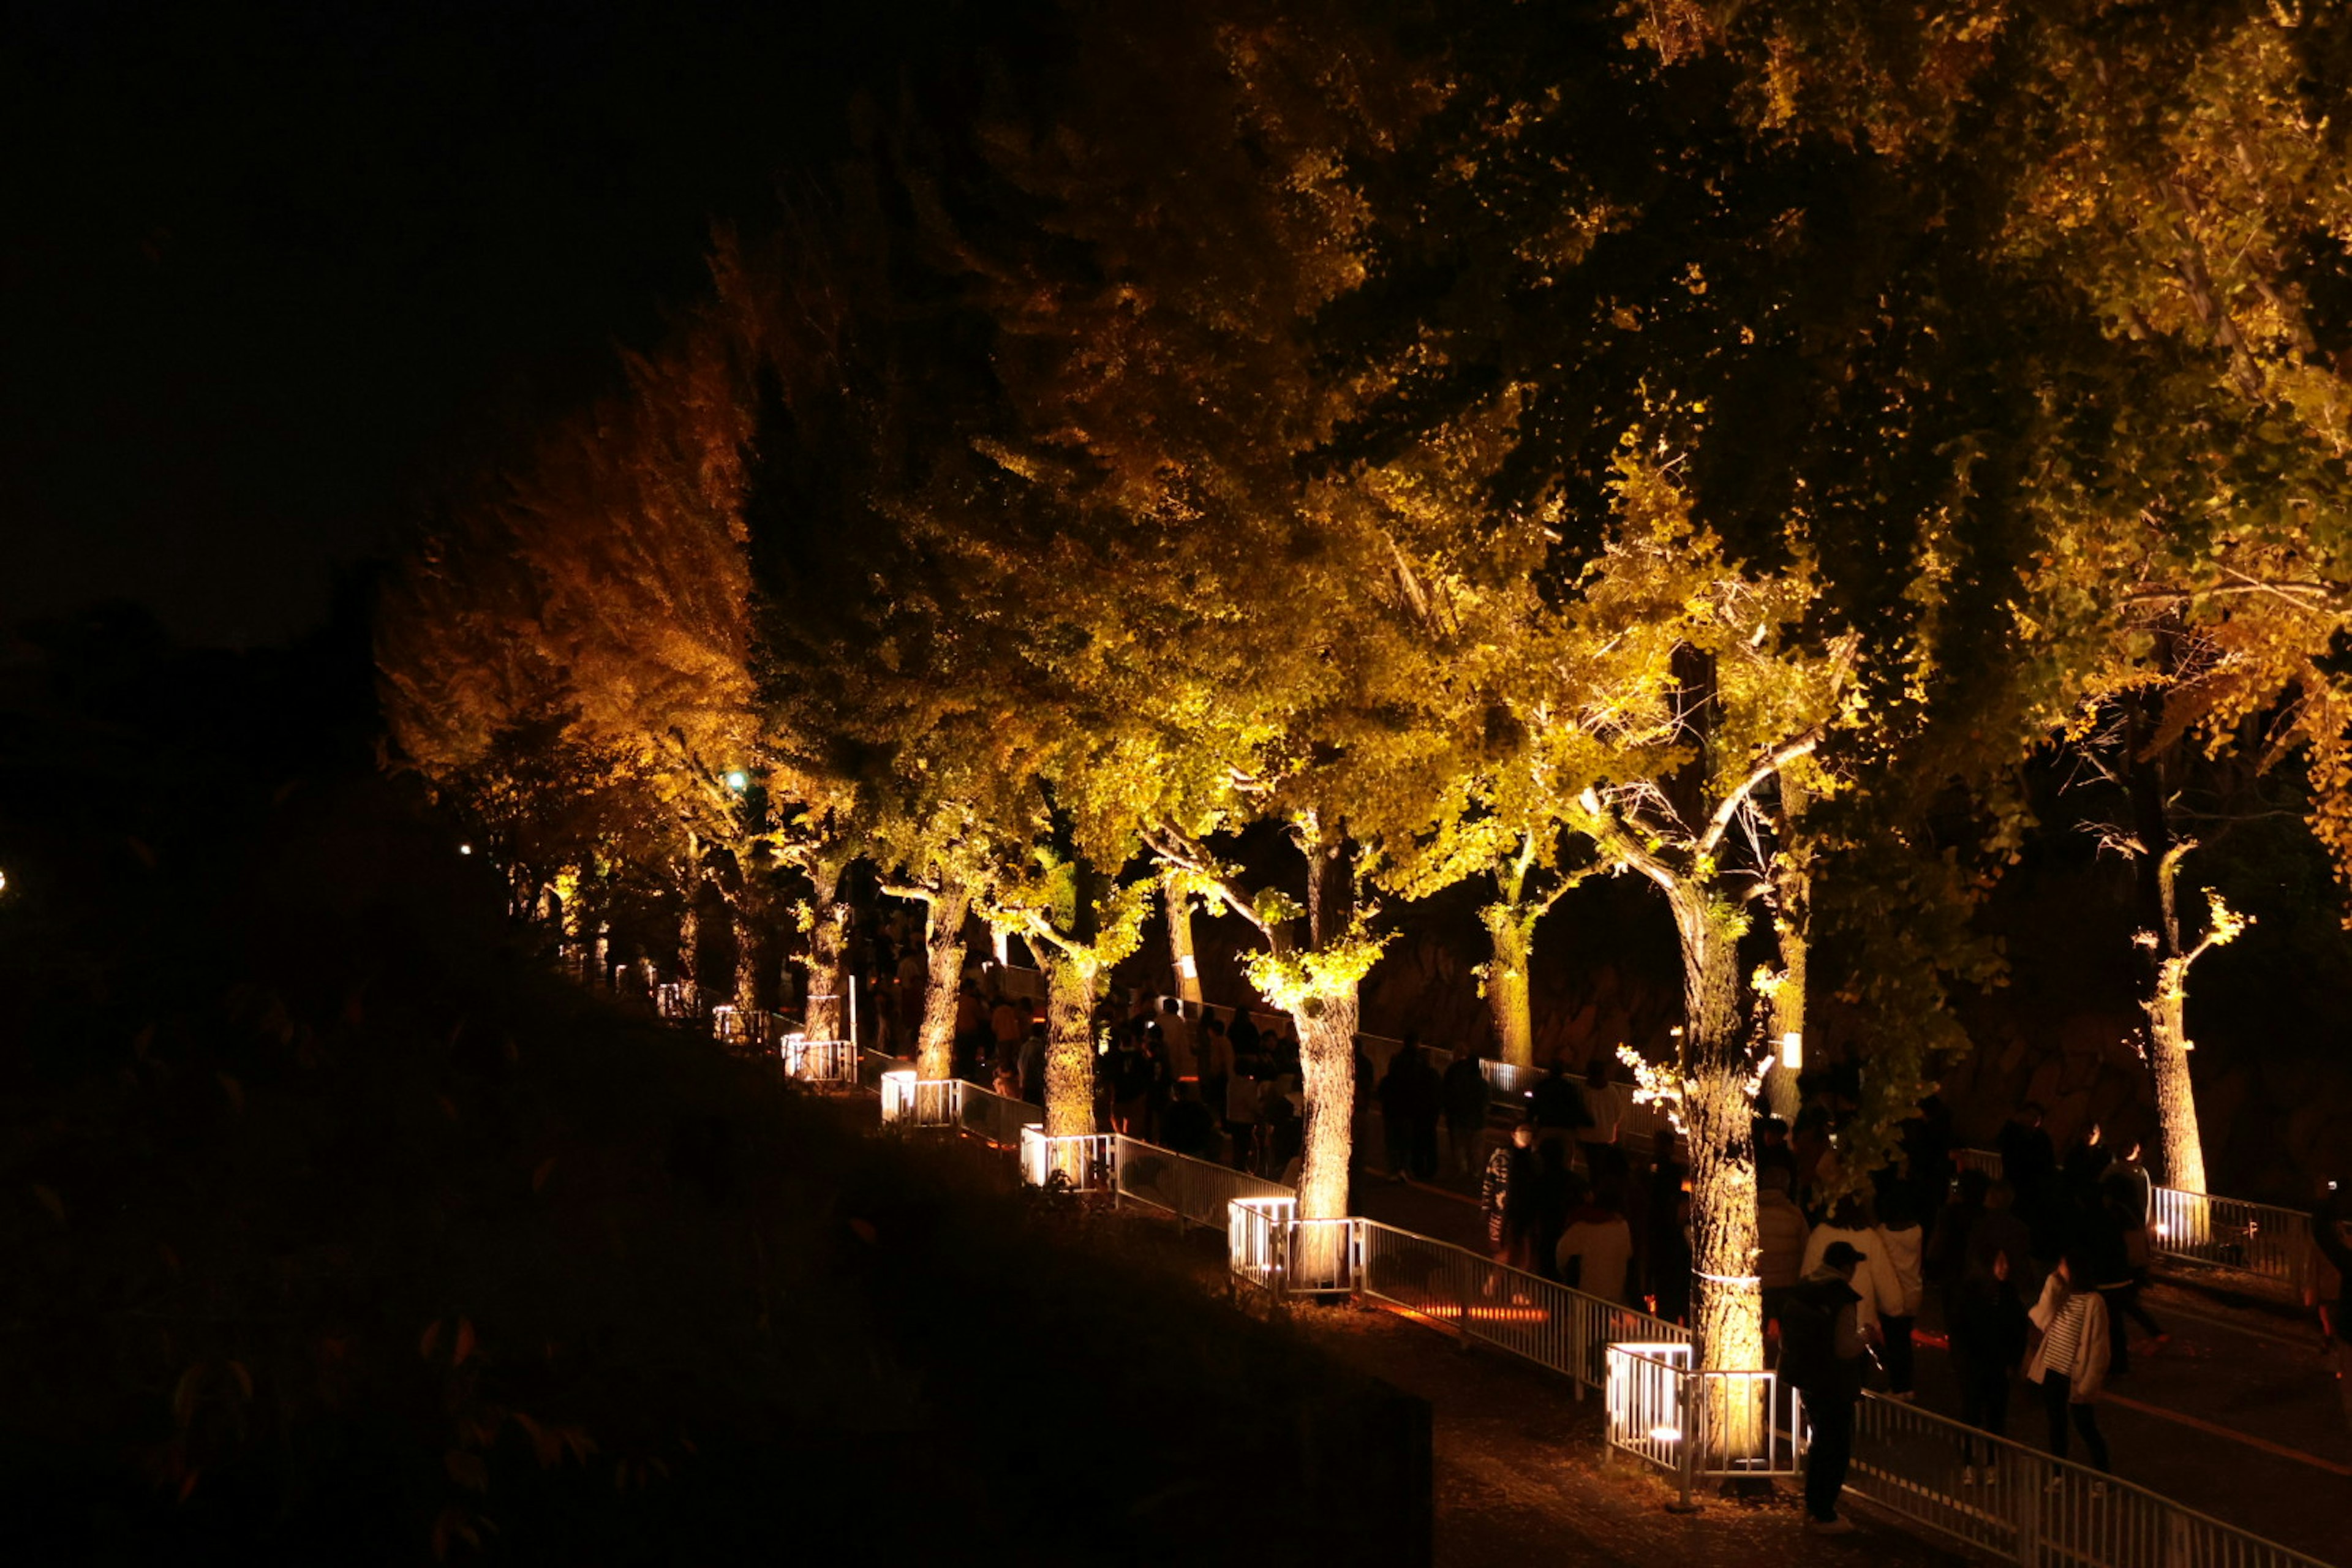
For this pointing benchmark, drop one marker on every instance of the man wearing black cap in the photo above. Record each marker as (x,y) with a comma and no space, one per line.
(1820,1354)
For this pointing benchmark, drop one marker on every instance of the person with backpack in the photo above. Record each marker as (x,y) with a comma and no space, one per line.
(1822,1357)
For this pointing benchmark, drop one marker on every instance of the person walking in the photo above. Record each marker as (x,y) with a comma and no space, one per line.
(1506,1193)
(2030,1164)
(1595,1252)
(1216,1054)
(1177,1042)
(1556,1105)
(1602,1114)
(1881,1292)
(2329,1265)
(1241,1098)
(1463,1096)
(1987,1321)
(1821,1357)
(1396,1112)
(1780,1237)
(2071,1362)
(1557,1194)
(1898,1243)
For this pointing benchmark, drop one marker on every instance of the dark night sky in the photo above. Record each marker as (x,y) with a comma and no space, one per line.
(269,272)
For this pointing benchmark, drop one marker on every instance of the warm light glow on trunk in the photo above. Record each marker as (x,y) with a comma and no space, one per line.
(1727,1298)
(1509,985)
(689,937)
(944,951)
(828,975)
(1070,1042)
(1181,958)
(2176,1102)
(1326,1057)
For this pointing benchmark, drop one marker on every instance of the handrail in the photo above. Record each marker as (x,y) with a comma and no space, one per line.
(2039,1511)
(2201,1233)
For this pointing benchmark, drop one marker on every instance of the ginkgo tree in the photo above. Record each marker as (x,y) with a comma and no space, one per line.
(1710,683)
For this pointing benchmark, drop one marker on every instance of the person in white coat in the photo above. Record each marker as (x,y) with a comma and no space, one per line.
(1900,1242)
(2071,1362)
(1873,1278)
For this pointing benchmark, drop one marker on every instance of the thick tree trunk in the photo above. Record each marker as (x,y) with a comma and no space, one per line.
(1069,1042)
(1327,1060)
(828,973)
(1511,931)
(747,965)
(1726,1298)
(2176,1103)
(944,951)
(1181,958)
(689,937)
(1326,1019)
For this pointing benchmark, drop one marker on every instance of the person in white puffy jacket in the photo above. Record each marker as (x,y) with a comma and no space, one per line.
(1900,1241)
(1873,1278)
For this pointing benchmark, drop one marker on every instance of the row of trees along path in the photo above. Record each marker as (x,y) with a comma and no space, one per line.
(1717,448)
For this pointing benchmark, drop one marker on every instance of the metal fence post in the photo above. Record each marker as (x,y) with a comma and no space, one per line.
(1691,1416)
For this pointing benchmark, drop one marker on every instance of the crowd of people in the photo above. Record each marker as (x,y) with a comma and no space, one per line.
(2036,1274)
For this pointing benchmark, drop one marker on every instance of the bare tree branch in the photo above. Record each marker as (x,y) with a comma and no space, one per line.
(1776,759)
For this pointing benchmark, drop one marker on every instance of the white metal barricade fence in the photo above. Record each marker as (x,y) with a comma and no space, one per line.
(909,1099)
(1196,1191)
(1528,1316)
(1943,1477)
(1082,1164)
(2027,1507)
(2262,1246)
(1699,1424)
(1256,1245)
(2271,1244)
(993,1118)
(827,1063)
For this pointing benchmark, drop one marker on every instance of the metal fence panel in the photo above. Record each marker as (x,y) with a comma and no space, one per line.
(1083,1163)
(824,1062)
(993,1118)
(2265,1246)
(2030,1508)
(2270,1244)
(1537,1318)
(1197,1192)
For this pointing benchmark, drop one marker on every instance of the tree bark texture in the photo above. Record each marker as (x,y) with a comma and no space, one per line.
(2167,1030)
(943,952)
(1327,1037)
(1327,1060)
(689,935)
(1069,1042)
(828,973)
(1181,958)
(2176,1103)
(1726,1298)
(1510,927)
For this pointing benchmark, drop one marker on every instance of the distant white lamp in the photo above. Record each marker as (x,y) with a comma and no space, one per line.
(1793,1050)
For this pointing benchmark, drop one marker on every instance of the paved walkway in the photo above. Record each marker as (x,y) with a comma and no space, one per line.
(2236,1416)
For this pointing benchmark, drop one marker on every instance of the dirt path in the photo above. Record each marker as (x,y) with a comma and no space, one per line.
(1521,1475)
